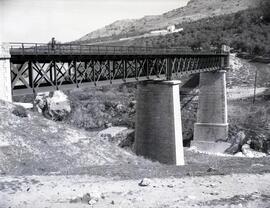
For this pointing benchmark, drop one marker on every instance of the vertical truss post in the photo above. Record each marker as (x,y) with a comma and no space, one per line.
(125,70)
(51,71)
(69,70)
(75,73)
(85,71)
(94,73)
(169,69)
(111,70)
(136,69)
(30,76)
(55,74)
(147,68)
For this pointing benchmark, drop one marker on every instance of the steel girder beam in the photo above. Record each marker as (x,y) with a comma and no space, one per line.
(32,75)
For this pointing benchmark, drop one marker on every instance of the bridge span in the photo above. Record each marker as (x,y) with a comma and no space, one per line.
(31,68)
(41,67)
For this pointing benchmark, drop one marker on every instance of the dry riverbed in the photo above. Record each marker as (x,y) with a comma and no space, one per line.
(236,190)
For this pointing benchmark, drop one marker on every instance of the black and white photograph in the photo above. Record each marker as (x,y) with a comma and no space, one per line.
(134,103)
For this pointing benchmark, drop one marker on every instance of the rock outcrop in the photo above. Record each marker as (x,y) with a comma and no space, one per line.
(121,136)
(55,106)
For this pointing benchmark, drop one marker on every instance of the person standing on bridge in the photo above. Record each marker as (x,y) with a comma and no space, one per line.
(53,43)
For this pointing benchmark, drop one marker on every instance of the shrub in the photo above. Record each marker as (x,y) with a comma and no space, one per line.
(19,111)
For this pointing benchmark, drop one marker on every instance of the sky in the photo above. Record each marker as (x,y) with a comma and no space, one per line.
(67,20)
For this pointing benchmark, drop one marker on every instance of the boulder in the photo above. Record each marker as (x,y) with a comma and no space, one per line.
(239,154)
(259,142)
(121,136)
(127,139)
(112,132)
(266,147)
(237,142)
(88,198)
(55,106)
(25,105)
(132,104)
(247,151)
(145,182)
(108,125)
(40,101)
(121,108)
(19,111)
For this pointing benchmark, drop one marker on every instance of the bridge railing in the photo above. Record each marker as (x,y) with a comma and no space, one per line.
(82,49)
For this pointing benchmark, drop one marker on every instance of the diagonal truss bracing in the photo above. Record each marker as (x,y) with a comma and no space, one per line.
(31,74)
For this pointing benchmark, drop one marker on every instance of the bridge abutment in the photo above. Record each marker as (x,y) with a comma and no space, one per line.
(158,122)
(5,73)
(211,128)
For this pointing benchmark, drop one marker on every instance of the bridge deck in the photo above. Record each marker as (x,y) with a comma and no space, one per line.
(35,49)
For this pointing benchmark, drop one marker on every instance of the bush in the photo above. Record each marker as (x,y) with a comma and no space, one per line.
(95,108)
(19,111)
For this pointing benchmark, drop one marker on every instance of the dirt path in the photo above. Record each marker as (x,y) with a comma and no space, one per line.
(237,190)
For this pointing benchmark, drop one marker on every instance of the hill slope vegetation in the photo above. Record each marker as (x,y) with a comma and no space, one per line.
(195,10)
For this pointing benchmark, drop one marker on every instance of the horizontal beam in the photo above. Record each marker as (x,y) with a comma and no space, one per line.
(17,59)
(25,91)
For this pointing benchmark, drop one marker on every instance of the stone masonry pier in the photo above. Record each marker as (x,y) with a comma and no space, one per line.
(5,73)
(211,128)
(158,122)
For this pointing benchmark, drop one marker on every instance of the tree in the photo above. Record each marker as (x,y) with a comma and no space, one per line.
(265,8)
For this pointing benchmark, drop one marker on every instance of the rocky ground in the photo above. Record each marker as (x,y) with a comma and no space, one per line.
(31,144)
(236,190)
(52,164)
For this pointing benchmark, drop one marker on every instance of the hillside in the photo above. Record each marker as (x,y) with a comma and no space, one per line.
(32,144)
(195,10)
(246,31)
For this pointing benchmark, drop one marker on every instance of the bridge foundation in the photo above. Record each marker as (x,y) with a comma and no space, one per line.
(158,122)
(5,73)
(211,128)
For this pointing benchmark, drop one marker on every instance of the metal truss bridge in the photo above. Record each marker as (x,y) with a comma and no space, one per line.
(42,67)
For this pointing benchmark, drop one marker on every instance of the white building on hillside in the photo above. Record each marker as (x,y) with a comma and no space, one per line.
(171,28)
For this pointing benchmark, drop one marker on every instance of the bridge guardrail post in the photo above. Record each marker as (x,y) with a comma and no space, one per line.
(48,48)
(23,49)
(60,49)
(36,48)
